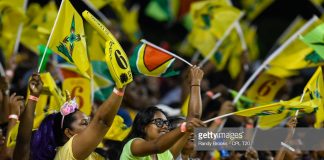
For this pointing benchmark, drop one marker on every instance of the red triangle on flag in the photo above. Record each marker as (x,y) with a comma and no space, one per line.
(154,58)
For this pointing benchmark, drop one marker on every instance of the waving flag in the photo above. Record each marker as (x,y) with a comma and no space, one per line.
(67,38)
(150,61)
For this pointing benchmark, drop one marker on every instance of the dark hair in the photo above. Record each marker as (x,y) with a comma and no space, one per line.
(50,135)
(142,119)
(175,121)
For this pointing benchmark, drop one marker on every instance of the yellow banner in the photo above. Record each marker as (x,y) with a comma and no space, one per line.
(79,88)
(265,88)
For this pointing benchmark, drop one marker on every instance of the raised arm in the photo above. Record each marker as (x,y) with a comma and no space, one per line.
(165,141)
(22,149)
(86,142)
(291,125)
(194,108)
(195,104)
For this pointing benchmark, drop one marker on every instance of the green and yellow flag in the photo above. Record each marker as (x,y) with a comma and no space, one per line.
(303,57)
(314,39)
(68,38)
(210,21)
(315,91)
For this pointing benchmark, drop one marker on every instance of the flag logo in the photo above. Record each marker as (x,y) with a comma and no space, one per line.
(69,41)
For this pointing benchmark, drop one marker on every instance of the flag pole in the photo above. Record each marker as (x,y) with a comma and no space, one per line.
(100,14)
(219,117)
(274,55)
(16,47)
(220,41)
(161,49)
(292,24)
(49,38)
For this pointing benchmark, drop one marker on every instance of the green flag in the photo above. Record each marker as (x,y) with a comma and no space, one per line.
(315,40)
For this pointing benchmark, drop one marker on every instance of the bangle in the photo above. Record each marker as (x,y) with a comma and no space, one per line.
(195,85)
(33,98)
(118,93)
(13,116)
(183,127)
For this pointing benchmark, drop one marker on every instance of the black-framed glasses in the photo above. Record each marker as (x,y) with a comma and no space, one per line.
(159,122)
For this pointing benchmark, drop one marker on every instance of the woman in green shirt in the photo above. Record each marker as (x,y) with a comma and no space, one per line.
(150,137)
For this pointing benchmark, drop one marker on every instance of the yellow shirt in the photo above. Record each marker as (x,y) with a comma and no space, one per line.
(65,153)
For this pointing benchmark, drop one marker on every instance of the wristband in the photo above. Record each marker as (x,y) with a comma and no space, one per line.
(118,93)
(249,125)
(183,127)
(33,98)
(218,121)
(195,85)
(13,116)
(210,94)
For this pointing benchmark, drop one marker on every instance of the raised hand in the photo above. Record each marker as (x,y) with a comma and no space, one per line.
(15,104)
(196,75)
(35,85)
(194,123)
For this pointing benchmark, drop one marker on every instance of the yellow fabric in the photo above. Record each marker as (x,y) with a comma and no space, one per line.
(210,21)
(302,55)
(315,89)
(185,105)
(10,25)
(118,130)
(265,88)
(12,136)
(293,27)
(65,153)
(80,89)
(50,91)
(68,38)
(96,47)
(278,108)
(39,26)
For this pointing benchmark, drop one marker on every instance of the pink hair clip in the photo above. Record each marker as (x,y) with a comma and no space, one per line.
(68,108)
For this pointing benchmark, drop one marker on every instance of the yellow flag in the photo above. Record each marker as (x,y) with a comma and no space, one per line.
(302,55)
(278,108)
(53,93)
(265,88)
(12,136)
(314,89)
(39,25)
(210,21)
(96,47)
(185,105)
(118,130)
(68,39)
(79,88)
(12,15)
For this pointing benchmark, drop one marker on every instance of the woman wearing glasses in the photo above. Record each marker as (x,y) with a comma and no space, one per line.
(150,137)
